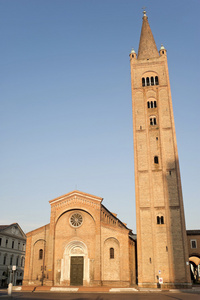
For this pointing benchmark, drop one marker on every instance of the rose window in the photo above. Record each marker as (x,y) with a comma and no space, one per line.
(76,220)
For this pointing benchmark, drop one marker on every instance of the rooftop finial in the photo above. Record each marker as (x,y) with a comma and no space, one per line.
(162,47)
(144,11)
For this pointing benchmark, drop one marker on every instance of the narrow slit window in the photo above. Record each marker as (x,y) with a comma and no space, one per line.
(112,253)
(148,81)
(155,104)
(40,253)
(148,104)
(13,243)
(155,159)
(152,80)
(158,220)
(143,81)
(151,104)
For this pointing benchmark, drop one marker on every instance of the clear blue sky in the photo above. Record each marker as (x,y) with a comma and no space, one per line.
(66,120)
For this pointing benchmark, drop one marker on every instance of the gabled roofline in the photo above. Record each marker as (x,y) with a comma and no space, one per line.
(116,218)
(76,193)
(38,229)
(4,227)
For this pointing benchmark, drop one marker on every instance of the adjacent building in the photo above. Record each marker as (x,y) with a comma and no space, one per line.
(12,253)
(193,237)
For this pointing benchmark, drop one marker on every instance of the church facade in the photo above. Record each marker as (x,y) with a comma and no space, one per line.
(84,244)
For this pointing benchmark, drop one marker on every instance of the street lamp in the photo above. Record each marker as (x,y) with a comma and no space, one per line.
(10,285)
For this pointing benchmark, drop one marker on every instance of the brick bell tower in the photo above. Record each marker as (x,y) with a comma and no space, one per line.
(161,234)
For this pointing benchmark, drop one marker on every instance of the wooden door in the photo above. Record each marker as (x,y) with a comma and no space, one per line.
(76,272)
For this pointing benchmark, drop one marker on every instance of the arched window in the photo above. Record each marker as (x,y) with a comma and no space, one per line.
(150,81)
(155,159)
(151,104)
(112,253)
(153,121)
(17,260)
(40,253)
(160,220)
(4,259)
(22,261)
(156,80)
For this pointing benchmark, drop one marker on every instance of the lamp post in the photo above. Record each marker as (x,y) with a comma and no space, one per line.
(10,285)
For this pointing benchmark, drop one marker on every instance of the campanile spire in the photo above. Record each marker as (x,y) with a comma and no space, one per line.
(147,47)
(162,252)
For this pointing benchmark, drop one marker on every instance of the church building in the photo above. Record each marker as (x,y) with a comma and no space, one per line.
(86,244)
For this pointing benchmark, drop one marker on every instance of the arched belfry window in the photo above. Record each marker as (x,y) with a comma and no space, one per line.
(152,121)
(160,220)
(150,80)
(156,80)
(112,253)
(40,253)
(151,104)
(143,81)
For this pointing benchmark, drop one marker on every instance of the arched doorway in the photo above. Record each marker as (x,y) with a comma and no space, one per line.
(195,268)
(75,264)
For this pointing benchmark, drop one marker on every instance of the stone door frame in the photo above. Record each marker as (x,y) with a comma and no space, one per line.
(74,248)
